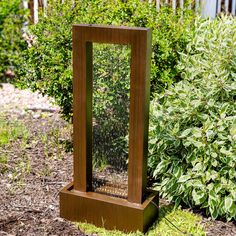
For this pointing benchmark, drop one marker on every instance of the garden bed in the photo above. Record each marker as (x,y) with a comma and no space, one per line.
(36,162)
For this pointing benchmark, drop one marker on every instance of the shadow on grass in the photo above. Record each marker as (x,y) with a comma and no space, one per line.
(171,222)
(164,210)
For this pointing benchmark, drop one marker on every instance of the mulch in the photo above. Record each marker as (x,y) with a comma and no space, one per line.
(29,202)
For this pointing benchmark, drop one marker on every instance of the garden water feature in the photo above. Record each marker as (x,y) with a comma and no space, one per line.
(110,123)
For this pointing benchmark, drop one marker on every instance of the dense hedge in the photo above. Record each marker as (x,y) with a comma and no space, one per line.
(12,17)
(193,124)
(47,64)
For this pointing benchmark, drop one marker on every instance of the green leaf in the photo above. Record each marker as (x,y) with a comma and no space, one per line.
(214,212)
(161,167)
(197,167)
(225,152)
(185,133)
(197,132)
(233,130)
(183,178)
(198,144)
(198,196)
(232,210)
(228,203)
(214,155)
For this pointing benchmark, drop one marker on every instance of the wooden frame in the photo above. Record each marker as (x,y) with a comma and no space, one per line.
(140,41)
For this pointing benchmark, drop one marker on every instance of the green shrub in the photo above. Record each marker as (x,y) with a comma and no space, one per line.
(46,65)
(49,70)
(193,124)
(12,17)
(172,32)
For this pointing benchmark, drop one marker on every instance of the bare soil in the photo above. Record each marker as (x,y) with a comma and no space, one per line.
(29,203)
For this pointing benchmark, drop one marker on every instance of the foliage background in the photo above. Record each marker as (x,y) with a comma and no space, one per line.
(46,65)
(12,18)
(193,124)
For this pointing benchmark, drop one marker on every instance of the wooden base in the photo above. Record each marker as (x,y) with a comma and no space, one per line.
(106,211)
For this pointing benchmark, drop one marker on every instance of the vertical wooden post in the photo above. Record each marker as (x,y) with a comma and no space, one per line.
(181,4)
(82,110)
(45,5)
(36,12)
(218,6)
(174,5)
(139,109)
(209,8)
(158,5)
(197,5)
(25,4)
(31,7)
(226,6)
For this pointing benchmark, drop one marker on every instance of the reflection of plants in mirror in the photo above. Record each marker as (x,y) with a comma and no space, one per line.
(111,103)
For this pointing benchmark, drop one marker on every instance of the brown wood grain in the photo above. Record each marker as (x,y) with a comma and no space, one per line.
(82,111)
(139,109)
(106,211)
(31,8)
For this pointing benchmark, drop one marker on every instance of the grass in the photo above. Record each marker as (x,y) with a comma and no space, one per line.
(22,142)
(3,158)
(185,221)
(11,131)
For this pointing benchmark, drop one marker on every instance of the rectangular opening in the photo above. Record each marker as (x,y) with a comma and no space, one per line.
(110,119)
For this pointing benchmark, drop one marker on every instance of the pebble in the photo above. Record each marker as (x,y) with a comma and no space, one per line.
(19,101)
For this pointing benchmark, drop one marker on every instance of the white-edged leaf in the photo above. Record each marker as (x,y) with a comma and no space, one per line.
(183,178)
(228,203)
(185,133)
